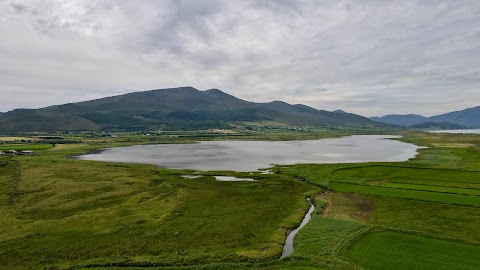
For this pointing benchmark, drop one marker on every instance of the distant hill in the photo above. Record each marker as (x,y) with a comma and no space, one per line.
(172,109)
(467,118)
(401,120)
(437,125)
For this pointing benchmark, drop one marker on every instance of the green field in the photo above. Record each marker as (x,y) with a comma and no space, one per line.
(322,238)
(58,213)
(433,183)
(438,220)
(67,212)
(25,146)
(388,173)
(408,192)
(434,188)
(389,250)
(434,196)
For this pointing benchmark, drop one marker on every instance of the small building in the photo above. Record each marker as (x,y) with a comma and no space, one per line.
(12,152)
(2,153)
(27,152)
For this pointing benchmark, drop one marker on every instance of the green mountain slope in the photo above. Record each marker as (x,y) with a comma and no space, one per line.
(34,120)
(401,120)
(174,108)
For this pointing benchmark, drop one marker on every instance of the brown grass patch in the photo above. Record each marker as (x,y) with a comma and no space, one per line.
(347,206)
(453,145)
(12,139)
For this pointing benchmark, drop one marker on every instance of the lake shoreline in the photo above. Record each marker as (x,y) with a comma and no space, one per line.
(248,156)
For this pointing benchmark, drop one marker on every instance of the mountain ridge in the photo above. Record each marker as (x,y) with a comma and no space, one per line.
(401,119)
(469,117)
(171,108)
(437,125)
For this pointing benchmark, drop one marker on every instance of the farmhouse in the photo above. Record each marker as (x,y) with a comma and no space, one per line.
(27,152)
(12,152)
(2,153)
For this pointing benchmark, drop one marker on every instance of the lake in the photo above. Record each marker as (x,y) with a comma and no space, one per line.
(459,131)
(247,156)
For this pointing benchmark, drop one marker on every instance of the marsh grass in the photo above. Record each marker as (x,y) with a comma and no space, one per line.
(58,213)
(66,213)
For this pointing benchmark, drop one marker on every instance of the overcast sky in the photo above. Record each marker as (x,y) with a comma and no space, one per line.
(365,56)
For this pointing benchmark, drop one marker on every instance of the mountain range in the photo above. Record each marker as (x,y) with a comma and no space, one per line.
(183,108)
(467,118)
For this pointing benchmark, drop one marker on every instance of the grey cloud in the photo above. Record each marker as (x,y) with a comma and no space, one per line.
(19,8)
(365,56)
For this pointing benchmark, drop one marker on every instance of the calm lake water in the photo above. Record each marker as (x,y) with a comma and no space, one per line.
(460,131)
(253,155)
(232,179)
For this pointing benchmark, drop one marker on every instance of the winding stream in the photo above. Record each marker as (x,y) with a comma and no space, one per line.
(288,248)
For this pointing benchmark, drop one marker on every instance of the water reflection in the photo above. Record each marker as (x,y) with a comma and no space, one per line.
(253,155)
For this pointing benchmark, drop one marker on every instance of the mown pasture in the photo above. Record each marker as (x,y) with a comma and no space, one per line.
(322,238)
(389,250)
(408,192)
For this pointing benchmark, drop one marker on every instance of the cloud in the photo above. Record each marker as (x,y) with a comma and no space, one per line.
(369,57)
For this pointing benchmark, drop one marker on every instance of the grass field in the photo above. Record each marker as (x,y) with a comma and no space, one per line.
(408,192)
(25,146)
(66,212)
(388,173)
(12,139)
(472,191)
(389,250)
(322,238)
(434,196)
(439,220)
(57,213)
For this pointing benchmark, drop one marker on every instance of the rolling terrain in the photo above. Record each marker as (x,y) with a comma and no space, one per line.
(183,108)
(401,120)
(59,213)
(464,118)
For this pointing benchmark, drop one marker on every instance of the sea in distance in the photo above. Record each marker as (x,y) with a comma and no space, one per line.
(459,131)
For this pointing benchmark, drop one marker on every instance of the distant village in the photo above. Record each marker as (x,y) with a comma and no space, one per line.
(289,128)
(15,152)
